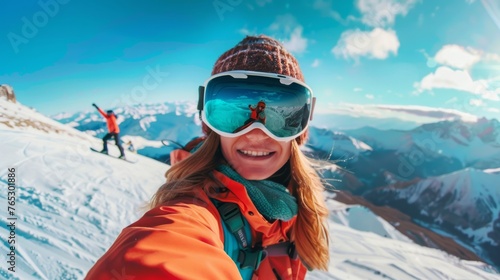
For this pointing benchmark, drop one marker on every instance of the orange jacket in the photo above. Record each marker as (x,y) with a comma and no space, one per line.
(185,240)
(111,121)
(253,115)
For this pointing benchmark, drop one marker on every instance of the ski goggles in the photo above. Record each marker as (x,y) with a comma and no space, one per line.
(236,102)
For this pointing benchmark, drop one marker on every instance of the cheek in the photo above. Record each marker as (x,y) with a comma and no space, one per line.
(226,144)
(286,151)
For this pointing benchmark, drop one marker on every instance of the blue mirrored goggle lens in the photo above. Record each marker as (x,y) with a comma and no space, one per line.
(232,104)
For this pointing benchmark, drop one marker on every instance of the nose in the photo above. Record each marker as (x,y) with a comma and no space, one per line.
(256,134)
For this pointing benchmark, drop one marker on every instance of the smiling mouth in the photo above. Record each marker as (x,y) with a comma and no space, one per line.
(255,153)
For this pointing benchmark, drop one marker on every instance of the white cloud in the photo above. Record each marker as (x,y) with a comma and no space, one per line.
(296,43)
(375,44)
(476,102)
(358,89)
(419,114)
(430,112)
(491,57)
(447,78)
(287,25)
(458,56)
(244,31)
(370,96)
(382,13)
(463,57)
(316,63)
(493,110)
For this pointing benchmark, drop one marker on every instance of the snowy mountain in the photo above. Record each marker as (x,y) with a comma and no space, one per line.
(474,144)
(427,151)
(72,203)
(464,204)
(338,144)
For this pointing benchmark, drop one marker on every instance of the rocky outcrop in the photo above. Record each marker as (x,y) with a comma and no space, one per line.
(7,92)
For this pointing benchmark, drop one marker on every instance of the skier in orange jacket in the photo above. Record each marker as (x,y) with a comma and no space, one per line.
(257,114)
(264,175)
(113,131)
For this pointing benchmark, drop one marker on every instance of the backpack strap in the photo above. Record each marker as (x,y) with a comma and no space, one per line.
(231,215)
(236,228)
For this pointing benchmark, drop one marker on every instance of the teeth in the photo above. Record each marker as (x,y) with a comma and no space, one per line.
(255,153)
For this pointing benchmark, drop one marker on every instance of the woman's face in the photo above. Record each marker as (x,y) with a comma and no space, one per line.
(254,155)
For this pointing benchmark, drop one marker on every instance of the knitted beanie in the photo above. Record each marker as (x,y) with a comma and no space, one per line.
(259,53)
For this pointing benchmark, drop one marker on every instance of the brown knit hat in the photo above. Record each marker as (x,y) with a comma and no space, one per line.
(259,53)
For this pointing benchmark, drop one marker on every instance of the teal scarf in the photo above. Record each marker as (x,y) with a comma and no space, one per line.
(271,199)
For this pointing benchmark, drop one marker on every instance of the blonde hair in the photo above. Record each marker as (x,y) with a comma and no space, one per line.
(309,231)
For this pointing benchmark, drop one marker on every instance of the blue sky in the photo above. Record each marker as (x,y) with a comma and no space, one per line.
(417,60)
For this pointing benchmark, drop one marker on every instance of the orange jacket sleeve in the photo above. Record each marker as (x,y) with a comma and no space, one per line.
(102,112)
(179,241)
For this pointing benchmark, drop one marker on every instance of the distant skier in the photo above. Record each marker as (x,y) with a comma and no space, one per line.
(131,146)
(113,129)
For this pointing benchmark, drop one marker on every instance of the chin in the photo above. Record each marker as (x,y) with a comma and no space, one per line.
(254,175)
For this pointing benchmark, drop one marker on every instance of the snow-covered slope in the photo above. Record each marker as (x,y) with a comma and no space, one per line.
(71,204)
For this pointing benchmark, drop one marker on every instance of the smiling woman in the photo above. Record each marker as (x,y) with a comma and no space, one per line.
(243,204)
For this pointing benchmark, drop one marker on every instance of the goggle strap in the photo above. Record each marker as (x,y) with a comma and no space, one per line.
(201,93)
(312,108)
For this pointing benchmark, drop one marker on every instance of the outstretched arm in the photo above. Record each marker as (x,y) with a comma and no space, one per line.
(100,110)
(179,241)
